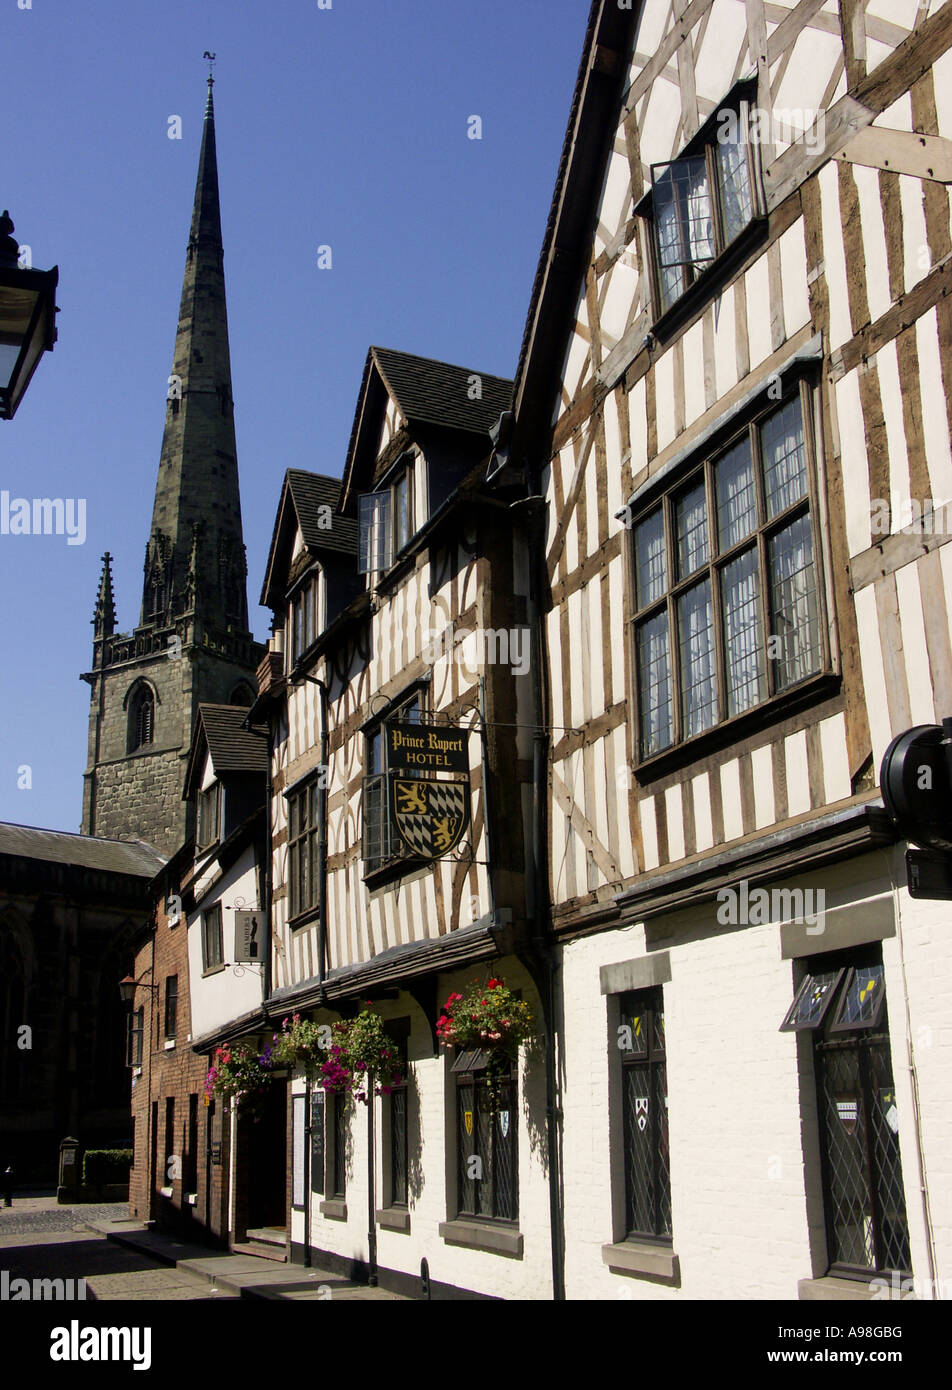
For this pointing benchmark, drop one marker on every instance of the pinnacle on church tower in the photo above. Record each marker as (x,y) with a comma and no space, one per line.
(192,644)
(104,618)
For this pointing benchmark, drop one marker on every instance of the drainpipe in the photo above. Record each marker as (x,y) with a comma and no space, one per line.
(541,947)
(322,846)
(371,1187)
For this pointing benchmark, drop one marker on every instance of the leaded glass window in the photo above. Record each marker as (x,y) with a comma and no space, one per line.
(842,1003)
(727,600)
(700,204)
(382,844)
(303,849)
(487,1167)
(647,1160)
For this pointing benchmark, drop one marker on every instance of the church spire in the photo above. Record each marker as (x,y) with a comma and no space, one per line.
(198,471)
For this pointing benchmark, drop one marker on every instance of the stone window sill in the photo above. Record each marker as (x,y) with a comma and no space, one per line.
(832,1289)
(478,1235)
(632,1257)
(394,1219)
(169,1044)
(336,1210)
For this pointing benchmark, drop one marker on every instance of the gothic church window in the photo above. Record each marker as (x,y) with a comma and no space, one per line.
(141,718)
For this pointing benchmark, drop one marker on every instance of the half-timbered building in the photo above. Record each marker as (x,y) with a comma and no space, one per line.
(400,668)
(734,396)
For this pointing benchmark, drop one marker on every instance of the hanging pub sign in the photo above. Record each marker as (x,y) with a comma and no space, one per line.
(248,937)
(427,748)
(430,817)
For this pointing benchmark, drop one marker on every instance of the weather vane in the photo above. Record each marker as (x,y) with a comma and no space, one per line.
(211,59)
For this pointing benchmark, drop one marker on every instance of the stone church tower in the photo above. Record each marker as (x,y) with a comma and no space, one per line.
(192,644)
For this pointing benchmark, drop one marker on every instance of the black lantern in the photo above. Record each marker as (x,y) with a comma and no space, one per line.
(128,987)
(27,319)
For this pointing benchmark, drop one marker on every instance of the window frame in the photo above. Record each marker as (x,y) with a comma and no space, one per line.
(477,1080)
(304,617)
(397,854)
(210,796)
(211,966)
(871,1046)
(739,103)
(340,1131)
(170,1012)
(398,1197)
(141,732)
(700,467)
(386,539)
(136,1035)
(308,838)
(647,1003)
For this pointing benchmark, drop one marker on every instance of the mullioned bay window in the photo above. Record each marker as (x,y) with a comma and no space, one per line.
(727,610)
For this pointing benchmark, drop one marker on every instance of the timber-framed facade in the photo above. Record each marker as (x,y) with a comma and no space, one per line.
(739,327)
(401,602)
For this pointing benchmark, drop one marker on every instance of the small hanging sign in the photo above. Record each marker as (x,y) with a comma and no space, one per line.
(248,934)
(468,1121)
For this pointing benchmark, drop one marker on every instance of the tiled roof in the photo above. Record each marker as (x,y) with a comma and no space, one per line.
(86,851)
(437,393)
(310,492)
(232,748)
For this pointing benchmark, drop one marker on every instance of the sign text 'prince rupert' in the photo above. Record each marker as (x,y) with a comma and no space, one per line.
(426,748)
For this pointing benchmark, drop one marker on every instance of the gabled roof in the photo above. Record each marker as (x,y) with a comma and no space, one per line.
(232,748)
(133,857)
(437,393)
(303,495)
(425,392)
(310,492)
(593,120)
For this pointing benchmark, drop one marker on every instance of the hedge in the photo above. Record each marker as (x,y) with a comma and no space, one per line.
(102,1166)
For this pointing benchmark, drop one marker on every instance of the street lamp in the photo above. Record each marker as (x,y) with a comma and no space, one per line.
(128,987)
(27,319)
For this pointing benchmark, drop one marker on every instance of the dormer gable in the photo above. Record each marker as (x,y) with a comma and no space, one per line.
(419,428)
(226,775)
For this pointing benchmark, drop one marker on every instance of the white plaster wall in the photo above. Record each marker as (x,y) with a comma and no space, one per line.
(739,1203)
(230,992)
(432,1120)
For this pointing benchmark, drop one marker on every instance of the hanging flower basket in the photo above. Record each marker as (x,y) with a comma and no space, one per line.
(360,1048)
(241,1073)
(488,1017)
(371,1052)
(301,1043)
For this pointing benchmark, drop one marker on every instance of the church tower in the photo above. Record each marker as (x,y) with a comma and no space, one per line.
(192,644)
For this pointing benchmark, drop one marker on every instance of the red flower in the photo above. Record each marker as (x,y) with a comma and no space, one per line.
(494,984)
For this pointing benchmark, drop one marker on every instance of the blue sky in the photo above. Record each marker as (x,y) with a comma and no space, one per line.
(344,126)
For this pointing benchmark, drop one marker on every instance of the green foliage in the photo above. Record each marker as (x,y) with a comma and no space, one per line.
(239,1071)
(301,1043)
(103,1166)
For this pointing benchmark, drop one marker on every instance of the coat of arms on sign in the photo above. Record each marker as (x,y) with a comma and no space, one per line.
(431,817)
(641,1111)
